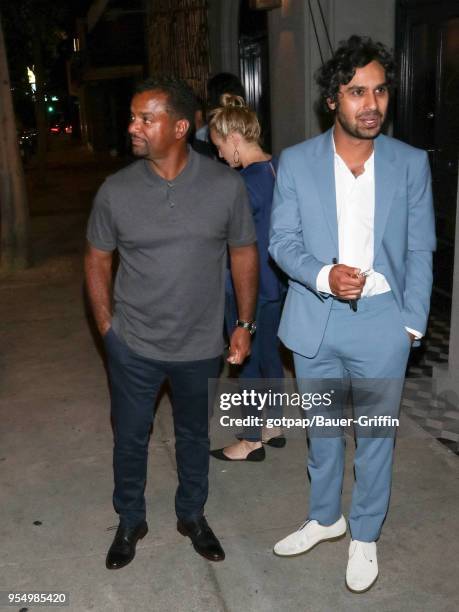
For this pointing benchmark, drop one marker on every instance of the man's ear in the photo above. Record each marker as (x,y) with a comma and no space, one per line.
(182,127)
(331,104)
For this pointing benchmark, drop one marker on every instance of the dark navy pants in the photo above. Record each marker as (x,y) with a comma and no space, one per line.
(135,382)
(264,361)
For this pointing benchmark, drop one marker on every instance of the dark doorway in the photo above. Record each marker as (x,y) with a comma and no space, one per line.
(254,65)
(428,113)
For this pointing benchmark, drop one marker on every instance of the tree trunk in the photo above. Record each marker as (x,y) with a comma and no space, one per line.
(14,213)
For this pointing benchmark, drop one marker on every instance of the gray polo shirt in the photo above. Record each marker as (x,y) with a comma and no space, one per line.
(172,239)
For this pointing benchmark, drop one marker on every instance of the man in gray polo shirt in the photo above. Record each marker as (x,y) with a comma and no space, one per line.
(171,216)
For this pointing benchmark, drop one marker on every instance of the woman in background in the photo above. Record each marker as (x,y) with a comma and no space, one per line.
(235,131)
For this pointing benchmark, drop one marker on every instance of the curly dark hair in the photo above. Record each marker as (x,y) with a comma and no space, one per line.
(181,100)
(356,52)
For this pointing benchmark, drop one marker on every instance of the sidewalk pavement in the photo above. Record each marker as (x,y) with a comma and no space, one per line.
(56,484)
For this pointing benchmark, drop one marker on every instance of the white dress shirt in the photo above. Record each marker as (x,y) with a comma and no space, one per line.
(355,209)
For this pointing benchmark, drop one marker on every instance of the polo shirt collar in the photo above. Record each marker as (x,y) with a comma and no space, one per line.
(185,175)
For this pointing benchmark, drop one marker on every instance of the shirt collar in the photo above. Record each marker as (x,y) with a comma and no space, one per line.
(185,175)
(368,165)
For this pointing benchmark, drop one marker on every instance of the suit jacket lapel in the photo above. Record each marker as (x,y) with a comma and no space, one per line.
(385,185)
(324,171)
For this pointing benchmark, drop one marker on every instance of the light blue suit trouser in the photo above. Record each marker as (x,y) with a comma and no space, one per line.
(369,348)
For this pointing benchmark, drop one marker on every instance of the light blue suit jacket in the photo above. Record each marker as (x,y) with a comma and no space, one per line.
(304,233)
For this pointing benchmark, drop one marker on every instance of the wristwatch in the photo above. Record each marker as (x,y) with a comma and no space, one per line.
(250,327)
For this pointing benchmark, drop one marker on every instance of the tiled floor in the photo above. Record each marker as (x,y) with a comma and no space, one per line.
(420,401)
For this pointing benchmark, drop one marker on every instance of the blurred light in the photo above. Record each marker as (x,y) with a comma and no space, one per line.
(50,109)
(32,80)
(54,99)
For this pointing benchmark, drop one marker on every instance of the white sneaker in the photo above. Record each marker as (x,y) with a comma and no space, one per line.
(362,567)
(308,535)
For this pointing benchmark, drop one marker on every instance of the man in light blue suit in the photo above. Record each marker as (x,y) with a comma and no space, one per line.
(353,228)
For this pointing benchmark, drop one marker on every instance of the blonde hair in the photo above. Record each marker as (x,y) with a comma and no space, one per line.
(235,116)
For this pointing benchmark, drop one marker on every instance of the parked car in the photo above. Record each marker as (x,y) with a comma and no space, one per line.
(61,128)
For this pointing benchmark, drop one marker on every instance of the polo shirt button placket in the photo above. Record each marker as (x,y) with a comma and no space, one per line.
(170,186)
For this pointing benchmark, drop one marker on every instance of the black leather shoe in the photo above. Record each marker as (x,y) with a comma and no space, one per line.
(203,538)
(277,442)
(256,455)
(122,550)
